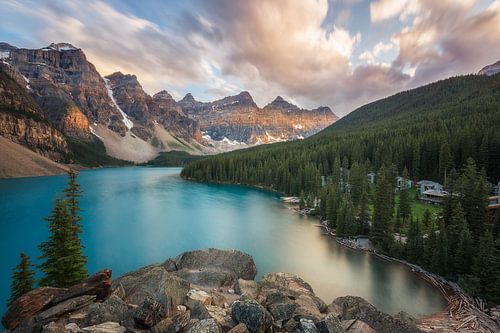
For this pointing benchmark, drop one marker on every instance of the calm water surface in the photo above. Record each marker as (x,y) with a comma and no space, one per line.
(138,216)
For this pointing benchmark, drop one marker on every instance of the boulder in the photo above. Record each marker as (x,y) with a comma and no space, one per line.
(113,309)
(205,326)
(98,284)
(252,314)
(173,324)
(290,283)
(330,324)
(240,328)
(307,308)
(151,312)
(198,310)
(280,306)
(151,281)
(351,307)
(247,288)
(357,326)
(307,326)
(215,267)
(28,305)
(107,327)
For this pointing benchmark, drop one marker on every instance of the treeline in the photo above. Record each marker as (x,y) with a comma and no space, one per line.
(426,133)
(429,130)
(63,263)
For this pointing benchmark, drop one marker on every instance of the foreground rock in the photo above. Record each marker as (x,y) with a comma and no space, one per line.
(214,267)
(207,291)
(351,307)
(41,305)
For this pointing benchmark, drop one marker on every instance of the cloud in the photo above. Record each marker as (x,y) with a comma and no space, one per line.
(269,47)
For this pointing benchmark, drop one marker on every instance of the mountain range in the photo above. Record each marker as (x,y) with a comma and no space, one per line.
(55,102)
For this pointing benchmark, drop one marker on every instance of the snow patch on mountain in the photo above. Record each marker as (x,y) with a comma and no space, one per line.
(126,120)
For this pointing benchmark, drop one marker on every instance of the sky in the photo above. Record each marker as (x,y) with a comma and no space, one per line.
(338,53)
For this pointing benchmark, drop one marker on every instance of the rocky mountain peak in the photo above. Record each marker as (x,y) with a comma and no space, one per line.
(280,103)
(188,98)
(162,95)
(490,69)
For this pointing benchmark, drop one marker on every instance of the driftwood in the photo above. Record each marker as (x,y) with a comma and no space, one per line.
(49,302)
(465,314)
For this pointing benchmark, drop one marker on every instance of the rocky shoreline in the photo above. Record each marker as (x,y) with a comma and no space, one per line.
(210,291)
(463,313)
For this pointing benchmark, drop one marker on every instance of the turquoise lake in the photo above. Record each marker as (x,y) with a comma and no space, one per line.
(138,216)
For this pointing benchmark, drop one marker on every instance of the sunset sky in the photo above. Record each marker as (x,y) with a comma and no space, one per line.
(340,53)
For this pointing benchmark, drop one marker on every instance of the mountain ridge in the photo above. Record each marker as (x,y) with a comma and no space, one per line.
(133,125)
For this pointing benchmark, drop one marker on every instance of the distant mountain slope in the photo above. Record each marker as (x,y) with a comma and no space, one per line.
(135,126)
(238,120)
(490,69)
(427,130)
(19,161)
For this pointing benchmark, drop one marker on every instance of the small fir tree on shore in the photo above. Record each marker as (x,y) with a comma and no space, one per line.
(23,278)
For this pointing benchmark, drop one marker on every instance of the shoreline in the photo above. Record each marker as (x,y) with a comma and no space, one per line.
(462,312)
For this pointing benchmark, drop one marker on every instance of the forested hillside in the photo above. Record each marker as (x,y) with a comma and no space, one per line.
(428,130)
(449,128)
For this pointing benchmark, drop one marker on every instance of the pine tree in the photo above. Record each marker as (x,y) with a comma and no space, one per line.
(302,201)
(63,261)
(73,193)
(439,263)
(23,278)
(383,210)
(427,219)
(364,214)
(486,267)
(473,193)
(404,198)
(415,243)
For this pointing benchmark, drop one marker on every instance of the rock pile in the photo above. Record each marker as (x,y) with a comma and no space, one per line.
(205,291)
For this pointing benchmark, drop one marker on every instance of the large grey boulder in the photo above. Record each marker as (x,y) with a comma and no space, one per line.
(290,288)
(351,307)
(215,267)
(151,281)
(205,326)
(252,314)
(113,309)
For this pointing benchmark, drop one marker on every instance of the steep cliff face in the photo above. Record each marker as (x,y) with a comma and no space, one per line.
(147,112)
(75,124)
(60,75)
(238,119)
(22,121)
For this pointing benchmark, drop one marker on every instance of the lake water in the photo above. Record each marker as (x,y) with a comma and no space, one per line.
(138,216)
